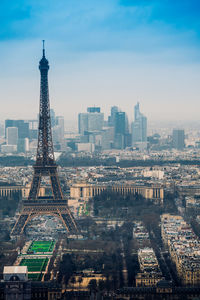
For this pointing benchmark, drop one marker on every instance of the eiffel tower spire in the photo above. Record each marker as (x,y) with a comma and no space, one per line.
(43,50)
(45,166)
(45,153)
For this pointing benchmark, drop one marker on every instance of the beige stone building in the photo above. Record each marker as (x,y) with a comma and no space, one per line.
(7,191)
(184,248)
(150,273)
(86,191)
(148,279)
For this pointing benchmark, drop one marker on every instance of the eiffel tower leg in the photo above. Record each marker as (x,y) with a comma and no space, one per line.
(71,218)
(63,221)
(27,220)
(68,219)
(20,224)
(16,224)
(55,186)
(35,186)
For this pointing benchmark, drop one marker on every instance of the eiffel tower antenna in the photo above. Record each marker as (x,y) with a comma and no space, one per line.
(45,166)
(43,48)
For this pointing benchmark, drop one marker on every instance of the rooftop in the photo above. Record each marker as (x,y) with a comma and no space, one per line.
(15,270)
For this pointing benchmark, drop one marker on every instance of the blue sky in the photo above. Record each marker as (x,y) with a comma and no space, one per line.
(102,52)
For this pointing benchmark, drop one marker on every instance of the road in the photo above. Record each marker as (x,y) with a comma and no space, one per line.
(124,269)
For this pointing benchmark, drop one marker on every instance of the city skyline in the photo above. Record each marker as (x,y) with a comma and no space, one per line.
(116,53)
(108,208)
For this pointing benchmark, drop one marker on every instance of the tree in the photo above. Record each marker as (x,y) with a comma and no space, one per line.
(101,285)
(80,279)
(92,285)
(73,280)
(67,268)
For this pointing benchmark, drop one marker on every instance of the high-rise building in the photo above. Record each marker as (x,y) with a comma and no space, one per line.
(23,145)
(57,135)
(82,123)
(23,127)
(120,130)
(91,121)
(94,109)
(12,135)
(58,130)
(139,129)
(178,139)
(53,117)
(119,121)
(2,130)
(111,118)
(61,123)
(33,124)
(95,121)
(108,138)
(33,129)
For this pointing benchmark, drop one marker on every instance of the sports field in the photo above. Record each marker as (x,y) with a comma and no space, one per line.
(41,246)
(35,264)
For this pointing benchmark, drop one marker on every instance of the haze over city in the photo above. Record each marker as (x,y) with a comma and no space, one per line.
(100,150)
(104,53)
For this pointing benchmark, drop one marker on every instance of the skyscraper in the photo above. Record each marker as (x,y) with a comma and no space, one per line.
(82,123)
(139,128)
(120,123)
(12,135)
(94,109)
(119,129)
(53,117)
(23,127)
(61,123)
(91,121)
(178,139)
(23,145)
(108,138)
(11,140)
(111,118)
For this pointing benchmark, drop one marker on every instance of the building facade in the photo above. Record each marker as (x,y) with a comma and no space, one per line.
(91,121)
(139,128)
(178,139)
(85,191)
(184,248)
(23,127)
(12,136)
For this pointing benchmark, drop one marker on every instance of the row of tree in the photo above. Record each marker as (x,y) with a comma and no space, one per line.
(67,160)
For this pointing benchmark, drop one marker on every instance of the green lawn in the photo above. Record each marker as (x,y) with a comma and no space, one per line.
(41,246)
(35,264)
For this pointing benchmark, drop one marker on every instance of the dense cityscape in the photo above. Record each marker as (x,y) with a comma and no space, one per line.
(95,134)
(100,184)
(135,198)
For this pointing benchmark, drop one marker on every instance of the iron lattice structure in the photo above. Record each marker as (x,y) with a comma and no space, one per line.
(45,161)
(45,166)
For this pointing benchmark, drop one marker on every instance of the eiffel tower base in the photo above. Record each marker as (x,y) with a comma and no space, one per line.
(31,209)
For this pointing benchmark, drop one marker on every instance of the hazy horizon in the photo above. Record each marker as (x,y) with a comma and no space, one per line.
(104,53)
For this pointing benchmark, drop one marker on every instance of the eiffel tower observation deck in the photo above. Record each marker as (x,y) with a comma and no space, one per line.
(45,166)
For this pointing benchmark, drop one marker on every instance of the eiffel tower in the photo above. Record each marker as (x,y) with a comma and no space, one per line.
(45,166)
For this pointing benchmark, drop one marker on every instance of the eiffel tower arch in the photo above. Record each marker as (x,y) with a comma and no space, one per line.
(31,209)
(45,166)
